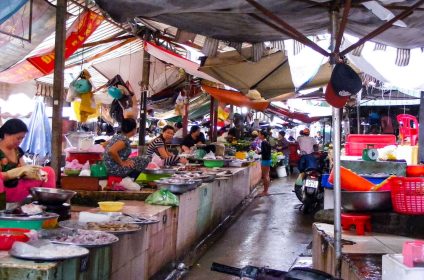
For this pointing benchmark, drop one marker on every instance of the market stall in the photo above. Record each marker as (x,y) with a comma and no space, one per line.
(167,237)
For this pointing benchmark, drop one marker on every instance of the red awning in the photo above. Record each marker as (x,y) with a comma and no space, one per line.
(235,98)
(293,115)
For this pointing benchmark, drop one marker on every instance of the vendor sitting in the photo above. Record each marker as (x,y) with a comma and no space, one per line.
(158,147)
(191,139)
(16,178)
(117,152)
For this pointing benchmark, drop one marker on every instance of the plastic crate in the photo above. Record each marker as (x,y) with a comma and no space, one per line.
(394,269)
(356,143)
(408,195)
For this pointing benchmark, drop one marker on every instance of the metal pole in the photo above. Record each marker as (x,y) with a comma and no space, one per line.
(211,118)
(58,87)
(358,112)
(421,131)
(336,161)
(143,101)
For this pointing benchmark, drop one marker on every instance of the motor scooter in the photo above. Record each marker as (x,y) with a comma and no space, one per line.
(308,187)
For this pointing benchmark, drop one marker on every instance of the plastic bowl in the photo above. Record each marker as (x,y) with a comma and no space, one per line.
(111,206)
(415,171)
(72,172)
(50,223)
(8,236)
(213,163)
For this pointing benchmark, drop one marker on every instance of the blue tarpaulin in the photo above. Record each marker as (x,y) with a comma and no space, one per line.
(38,140)
(9,7)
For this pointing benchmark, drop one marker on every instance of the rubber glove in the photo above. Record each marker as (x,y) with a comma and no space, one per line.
(23,171)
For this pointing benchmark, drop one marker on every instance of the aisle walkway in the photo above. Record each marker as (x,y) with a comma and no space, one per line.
(270,232)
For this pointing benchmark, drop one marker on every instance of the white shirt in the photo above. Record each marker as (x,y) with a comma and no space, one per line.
(306,144)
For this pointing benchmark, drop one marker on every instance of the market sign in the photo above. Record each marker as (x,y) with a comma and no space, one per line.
(80,30)
(43,63)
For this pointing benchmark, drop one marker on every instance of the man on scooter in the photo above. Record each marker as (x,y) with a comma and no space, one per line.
(306,147)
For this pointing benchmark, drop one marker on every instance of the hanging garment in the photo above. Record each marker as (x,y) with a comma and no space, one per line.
(87,107)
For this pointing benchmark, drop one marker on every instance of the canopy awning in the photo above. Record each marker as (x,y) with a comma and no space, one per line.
(271,75)
(235,98)
(177,60)
(233,21)
(293,115)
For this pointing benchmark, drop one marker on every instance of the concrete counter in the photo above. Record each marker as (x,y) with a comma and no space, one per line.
(361,255)
(142,254)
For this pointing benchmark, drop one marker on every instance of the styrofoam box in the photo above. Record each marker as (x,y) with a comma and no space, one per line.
(394,269)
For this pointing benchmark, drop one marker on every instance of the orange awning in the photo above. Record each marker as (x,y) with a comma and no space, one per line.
(235,98)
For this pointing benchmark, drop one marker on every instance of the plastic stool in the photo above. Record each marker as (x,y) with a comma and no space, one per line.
(360,221)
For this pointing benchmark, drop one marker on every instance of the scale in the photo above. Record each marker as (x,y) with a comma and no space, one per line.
(370,153)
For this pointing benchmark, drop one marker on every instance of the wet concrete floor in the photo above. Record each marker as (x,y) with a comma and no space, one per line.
(270,232)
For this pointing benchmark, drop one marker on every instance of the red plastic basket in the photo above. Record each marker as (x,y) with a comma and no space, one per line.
(82,157)
(408,195)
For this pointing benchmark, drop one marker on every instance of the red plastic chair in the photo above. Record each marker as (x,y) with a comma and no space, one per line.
(408,127)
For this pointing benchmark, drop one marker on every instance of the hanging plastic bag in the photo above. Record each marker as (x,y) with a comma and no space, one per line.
(129,184)
(85,171)
(163,197)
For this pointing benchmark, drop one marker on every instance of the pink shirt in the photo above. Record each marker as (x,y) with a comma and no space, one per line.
(21,191)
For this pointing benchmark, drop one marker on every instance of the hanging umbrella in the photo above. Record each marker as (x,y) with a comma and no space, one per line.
(38,140)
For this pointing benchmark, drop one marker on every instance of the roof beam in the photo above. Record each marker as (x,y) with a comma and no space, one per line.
(342,26)
(303,39)
(382,28)
(108,40)
(117,46)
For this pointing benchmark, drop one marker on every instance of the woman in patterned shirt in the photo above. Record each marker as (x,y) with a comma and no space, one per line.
(158,147)
(117,152)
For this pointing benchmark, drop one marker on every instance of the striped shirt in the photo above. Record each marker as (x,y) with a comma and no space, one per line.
(153,148)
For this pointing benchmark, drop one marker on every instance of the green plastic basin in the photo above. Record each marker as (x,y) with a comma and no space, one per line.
(35,224)
(213,163)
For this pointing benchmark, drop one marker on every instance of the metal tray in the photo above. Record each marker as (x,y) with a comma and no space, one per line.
(79,252)
(160,171)
(24,217)
(179,188)
(70,224)
(132,219)
(209,178)
(53,233)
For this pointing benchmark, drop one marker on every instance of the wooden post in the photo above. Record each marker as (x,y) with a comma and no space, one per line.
(58,88)
(211,119)
(143,101)
(186,110)
(421,131)
(215,122)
